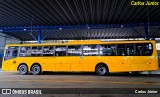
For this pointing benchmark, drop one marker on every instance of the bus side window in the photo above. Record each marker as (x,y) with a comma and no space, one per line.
(15,53)
(121,50)
(144,49)
(148,49)
(107,50)
(139,48)
(130,50)
(103,50)
(25,51)
(36,51)
(90,50)
(74,50)
(60,51)
(125,50)
(48,50)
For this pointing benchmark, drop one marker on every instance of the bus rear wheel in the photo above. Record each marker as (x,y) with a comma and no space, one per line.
(36,69)
(23,69)
(101,70)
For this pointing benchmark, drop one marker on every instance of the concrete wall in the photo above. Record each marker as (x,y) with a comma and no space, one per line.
(6,39)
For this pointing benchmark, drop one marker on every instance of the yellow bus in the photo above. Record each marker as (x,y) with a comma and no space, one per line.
(97,56)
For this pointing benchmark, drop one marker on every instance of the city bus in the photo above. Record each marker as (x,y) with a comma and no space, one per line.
(101,57)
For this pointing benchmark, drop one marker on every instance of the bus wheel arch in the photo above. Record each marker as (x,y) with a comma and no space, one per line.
(22,68)
(101,69)
(36,68)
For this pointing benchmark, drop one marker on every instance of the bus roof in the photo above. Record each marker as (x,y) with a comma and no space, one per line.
(83,42)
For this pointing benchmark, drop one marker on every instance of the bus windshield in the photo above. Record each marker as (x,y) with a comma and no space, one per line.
(11,52)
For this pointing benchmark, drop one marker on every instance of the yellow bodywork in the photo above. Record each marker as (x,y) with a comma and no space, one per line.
(86,63)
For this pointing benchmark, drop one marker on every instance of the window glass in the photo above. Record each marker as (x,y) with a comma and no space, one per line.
(121,50)
(139,50)
(74,51)
(36,51)
(24,51)
(144,49)
(90,50)
(60,51)
(130,50)
(11,52)
(48,50)
(107,50)
(148,49)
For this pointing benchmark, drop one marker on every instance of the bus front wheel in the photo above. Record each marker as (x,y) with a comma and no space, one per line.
(101,69)
(36,69)
(23,69)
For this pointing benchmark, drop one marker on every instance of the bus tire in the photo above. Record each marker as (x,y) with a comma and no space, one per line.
(101,69)
(36,69)
(22,69)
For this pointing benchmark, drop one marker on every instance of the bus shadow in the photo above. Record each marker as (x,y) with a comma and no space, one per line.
(133,75)
(68,73)
(94,74)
